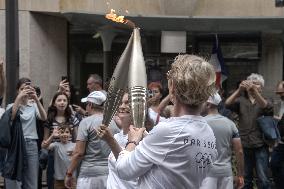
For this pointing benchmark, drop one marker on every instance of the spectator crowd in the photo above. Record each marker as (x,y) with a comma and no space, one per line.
(194,135)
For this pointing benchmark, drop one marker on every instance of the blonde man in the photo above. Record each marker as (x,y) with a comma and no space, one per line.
(178,152)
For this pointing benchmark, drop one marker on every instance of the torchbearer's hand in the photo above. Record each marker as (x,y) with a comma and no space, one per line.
(135,134)
(104,133)
(68,181)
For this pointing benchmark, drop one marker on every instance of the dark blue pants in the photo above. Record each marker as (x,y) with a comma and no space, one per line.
(256,158)
(50,170)
(277,166)
(2,158)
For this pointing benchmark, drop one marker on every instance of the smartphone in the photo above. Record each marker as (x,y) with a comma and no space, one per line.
(28,83)
(64,78)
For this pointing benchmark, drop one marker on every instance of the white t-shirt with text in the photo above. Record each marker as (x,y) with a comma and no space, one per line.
(177,153)
(113,181)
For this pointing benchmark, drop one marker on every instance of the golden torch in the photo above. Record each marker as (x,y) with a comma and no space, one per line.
(137,82)
(118,84)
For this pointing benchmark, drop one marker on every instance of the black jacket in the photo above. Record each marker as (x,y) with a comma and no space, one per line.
(16,159)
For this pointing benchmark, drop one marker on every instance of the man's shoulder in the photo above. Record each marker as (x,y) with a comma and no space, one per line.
(91,120)
(219,119)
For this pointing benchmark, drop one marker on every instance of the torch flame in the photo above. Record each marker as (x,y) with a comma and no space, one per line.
(112,16)
(120,19)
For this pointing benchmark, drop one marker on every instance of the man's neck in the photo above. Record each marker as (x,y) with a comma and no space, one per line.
(95,112)
(213,112)
(181,110)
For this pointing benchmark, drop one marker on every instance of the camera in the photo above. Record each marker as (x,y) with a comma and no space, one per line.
(64,78)
(150,94)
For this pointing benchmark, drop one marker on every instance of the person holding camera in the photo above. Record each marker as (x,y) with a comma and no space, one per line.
(26,108)
(249,107)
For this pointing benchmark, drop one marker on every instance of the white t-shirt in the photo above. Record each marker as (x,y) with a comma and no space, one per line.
(177,153)
(28,116)
(62,159)
(113,181)
(154,116)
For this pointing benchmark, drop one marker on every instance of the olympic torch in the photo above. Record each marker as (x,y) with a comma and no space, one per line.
(137,82)
(118,84)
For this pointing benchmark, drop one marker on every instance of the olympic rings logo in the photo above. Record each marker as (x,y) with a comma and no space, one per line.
(203,160)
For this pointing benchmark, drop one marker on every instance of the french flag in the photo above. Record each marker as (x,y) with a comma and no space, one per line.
(218,63)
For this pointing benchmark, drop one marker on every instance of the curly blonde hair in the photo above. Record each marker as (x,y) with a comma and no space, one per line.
(193,78)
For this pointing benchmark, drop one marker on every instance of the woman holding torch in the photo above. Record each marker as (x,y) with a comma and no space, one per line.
(178,152)
(117,144)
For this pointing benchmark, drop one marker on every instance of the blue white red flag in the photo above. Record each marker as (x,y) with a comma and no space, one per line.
(218,63)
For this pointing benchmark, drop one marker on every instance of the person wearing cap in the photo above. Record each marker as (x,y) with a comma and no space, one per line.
(277,156)
(248,102)
(227,136)
(90,150)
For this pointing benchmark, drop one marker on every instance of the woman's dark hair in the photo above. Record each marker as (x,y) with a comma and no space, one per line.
(52,110)
(22,81)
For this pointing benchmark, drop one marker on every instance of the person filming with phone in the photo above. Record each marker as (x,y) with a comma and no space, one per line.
(248,102)
(24,112)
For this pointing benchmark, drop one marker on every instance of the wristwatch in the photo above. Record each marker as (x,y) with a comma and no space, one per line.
(134,142)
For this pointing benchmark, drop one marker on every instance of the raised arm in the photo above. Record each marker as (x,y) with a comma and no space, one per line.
(19,100)
(45,143)
(258,97)
(231,99)
(136,159)
(42,114)
(163,104)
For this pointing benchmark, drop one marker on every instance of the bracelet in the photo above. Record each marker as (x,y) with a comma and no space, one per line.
(129,142)
(68,174)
